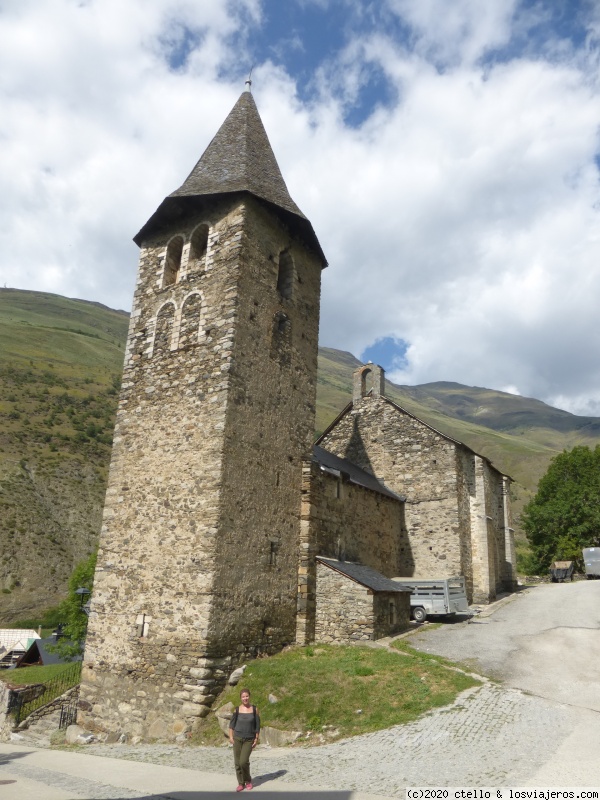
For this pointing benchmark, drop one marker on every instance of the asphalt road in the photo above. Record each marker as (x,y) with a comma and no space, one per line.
(545,640)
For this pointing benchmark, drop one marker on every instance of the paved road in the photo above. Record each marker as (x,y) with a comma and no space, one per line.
(540,729)
(544,640)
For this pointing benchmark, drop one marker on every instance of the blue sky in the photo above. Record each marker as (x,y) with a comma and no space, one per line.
(445,151)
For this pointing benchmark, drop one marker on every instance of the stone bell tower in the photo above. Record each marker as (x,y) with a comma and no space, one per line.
(197,567)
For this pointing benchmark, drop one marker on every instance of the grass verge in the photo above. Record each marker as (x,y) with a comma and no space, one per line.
(344,691)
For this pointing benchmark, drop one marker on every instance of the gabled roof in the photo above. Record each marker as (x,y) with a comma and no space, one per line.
(238,159)
(448,438)
(42,650)
(366,576)
(341,466)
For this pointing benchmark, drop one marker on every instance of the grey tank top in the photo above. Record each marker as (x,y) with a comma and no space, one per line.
(244,726)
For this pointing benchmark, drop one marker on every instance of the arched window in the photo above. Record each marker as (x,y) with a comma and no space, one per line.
(285,276)
(366,382)
(198,245)
(173,261)
(163,335)
(191,320)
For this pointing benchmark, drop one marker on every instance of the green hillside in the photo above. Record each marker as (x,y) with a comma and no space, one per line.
(60,365)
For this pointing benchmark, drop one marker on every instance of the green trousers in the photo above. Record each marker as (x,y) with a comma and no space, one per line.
(242,748)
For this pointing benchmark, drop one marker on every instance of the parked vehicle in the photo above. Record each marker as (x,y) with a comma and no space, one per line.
(591,560)
(561,571)
(431,598)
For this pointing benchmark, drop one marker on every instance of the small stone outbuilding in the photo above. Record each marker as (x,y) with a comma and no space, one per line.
(357,603)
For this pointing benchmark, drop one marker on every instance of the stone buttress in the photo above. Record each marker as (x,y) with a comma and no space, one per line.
(197,567)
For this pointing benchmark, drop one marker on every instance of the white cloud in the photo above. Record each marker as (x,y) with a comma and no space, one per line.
(462,218)
(458,32)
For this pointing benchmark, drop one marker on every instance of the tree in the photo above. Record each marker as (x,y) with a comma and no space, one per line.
(73,618)
(564,515)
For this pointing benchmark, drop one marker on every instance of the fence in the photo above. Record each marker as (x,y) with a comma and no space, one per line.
(24,701)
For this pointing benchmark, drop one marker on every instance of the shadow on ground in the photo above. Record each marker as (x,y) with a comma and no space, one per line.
(5,758)
(211,795)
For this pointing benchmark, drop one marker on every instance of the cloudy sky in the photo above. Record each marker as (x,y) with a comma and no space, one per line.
(446,152)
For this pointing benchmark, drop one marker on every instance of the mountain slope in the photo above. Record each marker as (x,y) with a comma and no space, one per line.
(60,362)
(520,435)
(60,365)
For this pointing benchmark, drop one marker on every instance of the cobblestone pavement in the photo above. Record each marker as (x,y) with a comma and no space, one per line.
(489,737)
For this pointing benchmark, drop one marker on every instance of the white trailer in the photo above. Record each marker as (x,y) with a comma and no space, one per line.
(591,559)
(439,597)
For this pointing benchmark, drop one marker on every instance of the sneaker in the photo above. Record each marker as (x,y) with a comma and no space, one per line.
(249,786)
(240,788)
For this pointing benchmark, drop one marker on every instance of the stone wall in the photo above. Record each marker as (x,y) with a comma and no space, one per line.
(269,432)
(198,549)
(417,462)
(347,611)
(457,508)
(495,565)
(6,724)
(344,520)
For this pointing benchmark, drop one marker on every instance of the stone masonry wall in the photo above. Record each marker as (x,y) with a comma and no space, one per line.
(465,487)
(152,590)
(347,611)
(391,612)
(492,540)
(6,725)
(499,528)
(343,520)
(182,579)
(269,430)
(414,461)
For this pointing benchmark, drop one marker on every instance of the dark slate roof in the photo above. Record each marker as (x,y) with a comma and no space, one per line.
(238,159)
(40,649)
(354,474)
(366,576)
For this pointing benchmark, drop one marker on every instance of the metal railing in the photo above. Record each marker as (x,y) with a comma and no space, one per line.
(24,701)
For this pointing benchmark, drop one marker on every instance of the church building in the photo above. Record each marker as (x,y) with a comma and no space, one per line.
(225,533)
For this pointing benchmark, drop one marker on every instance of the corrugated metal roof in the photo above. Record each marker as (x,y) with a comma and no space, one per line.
(351,472)
(9,637)
(366,576)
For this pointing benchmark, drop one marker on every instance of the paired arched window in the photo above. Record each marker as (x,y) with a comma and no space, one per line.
(285,276)
(173,261)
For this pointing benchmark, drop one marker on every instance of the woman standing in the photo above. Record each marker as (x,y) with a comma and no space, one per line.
(244,728)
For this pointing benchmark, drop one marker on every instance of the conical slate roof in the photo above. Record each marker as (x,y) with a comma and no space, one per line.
(238,159)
